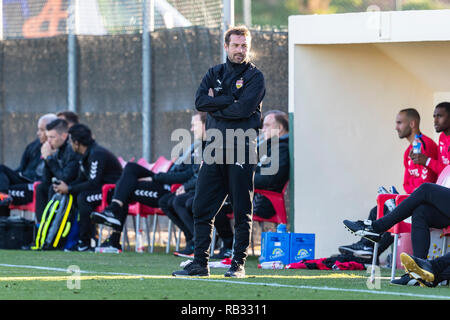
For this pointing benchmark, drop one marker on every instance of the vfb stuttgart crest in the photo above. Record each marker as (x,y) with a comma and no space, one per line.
(239,83)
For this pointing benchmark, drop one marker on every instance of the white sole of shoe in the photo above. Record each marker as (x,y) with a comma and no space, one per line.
(108,220)
(364,234)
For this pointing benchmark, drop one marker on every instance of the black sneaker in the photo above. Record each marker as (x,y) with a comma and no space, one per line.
(236,271)
(80,247)
(405,280)
(192,269)
(187,252)
(357,249)
(363,229)
(108,218)
(419,269)
(223,254)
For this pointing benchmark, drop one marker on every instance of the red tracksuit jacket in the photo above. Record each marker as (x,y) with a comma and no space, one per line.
(416,174)
(437,165)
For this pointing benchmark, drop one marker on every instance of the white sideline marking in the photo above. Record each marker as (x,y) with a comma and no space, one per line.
(323,288)
(278,285)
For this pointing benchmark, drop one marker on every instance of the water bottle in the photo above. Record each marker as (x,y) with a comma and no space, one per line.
(417,144)
(107,250)
(271,265)
(139,241)
(281,228)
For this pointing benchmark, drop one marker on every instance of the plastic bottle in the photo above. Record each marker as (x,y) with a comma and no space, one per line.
(417,144)
(271,265)
(281,228)
(107,250)
(139,241)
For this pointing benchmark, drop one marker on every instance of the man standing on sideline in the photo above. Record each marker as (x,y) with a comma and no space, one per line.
(231,93)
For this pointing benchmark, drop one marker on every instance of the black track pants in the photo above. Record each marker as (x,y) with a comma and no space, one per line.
(175,209)
(86,202)
(429,207)
(215,182)
(441,267)
(9,177)
(129,189)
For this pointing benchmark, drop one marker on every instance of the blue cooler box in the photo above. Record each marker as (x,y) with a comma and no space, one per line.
(301,246)
(275,247)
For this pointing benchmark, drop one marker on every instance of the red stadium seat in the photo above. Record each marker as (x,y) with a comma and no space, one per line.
(139,210)
(401,227)
(31,206)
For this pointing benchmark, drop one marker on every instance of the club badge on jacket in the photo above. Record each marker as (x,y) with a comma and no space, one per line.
(239,83)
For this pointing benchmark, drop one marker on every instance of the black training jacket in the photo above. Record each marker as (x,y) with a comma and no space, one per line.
(31,165)
(181,172)
(97,166)
(276,181)
(238,93)
(63,165)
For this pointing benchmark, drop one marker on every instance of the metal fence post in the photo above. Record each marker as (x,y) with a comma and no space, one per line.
(71,59)
(148,18)
(2,107)
(247,9)
(227,21)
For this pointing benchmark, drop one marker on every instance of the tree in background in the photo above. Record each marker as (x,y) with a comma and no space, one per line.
(275,13)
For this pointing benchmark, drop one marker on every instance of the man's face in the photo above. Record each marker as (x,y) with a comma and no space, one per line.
(55,139)
(238,48)
(270,126)
(402,125)
(197,127)
(41,131)
(441,119)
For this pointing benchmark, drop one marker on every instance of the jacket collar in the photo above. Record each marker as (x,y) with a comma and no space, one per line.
(237,67)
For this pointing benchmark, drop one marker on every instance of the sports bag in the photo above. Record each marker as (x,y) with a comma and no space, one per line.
(56,222)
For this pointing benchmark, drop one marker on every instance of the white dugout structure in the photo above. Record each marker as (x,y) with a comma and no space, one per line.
(349,75)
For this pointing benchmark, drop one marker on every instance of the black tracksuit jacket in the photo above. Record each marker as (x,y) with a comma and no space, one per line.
(238,93)
(97,166)
(63,165)
(30,165)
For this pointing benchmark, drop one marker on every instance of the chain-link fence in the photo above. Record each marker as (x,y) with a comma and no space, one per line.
(47,18)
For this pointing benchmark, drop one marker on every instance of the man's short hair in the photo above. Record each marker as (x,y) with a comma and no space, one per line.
(445,105)
(60,125)
(70,116)
(47,118)
(82,134)
(238,30)
(280,117)
(412,114)
(202,116)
